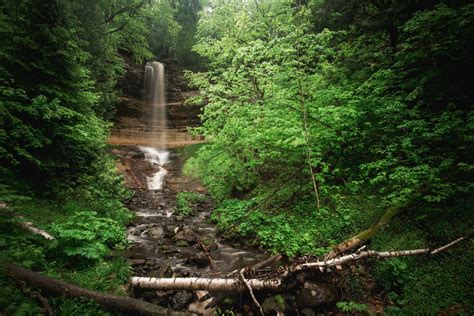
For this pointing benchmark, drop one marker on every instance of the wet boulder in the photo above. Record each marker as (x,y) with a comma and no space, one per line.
(156,232)
(136,154)
(211,245)
(181,243)
(200,259)
(315,294)
(182,299)
(274,304)
(186,234)
(307,312)
(136,262)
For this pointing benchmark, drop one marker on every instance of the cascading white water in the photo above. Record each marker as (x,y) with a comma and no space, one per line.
(157,157)
(155,96)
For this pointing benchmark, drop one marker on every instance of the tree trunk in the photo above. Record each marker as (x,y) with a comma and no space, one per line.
(58,288)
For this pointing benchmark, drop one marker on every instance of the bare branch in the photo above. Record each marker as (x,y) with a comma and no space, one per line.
(130,8)
(437,250)
(249,287)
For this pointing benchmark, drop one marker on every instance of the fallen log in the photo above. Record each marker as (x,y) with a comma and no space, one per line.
(34,230)
(28,225)
(53,287)
(207,284)
(371,253)
(236,285)
(364,236)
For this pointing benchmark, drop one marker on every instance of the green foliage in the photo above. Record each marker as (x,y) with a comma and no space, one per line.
(298,232)
(81,306)
(105,276)
(373,97)
(185,201)
(87,236)
(60,62)
(351,307)
(186,14)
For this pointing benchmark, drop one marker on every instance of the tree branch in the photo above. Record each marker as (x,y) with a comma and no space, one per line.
(249,287)
(130,8)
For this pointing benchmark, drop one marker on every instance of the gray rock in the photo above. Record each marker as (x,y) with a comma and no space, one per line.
(200,259)
(136,262)
(307,312)
(274,303)
(314,294)
(182,299)
(147,295)
(186,234)
(156,232)
(181,243)
(137,154)
(212,246)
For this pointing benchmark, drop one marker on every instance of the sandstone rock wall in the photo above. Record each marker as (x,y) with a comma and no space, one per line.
(132,126)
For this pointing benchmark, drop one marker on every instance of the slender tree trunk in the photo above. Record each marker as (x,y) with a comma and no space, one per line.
(306,138)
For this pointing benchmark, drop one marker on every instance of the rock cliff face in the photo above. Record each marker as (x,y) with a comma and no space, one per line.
(132,126)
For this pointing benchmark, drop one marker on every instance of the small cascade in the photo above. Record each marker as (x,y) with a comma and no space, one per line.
(157,157)
(155,96)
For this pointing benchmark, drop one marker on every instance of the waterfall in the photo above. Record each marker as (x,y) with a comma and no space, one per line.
(155,97)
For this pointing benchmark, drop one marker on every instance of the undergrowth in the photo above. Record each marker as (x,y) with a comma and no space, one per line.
(409,286)
(186,200)
(87,250)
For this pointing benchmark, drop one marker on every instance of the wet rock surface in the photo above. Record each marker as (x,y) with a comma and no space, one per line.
(160,237)
(132,126)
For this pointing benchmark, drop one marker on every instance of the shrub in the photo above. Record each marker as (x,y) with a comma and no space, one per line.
(87,236)
(185,201)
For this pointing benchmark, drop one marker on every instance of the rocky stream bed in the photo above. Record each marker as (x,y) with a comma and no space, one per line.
(164,244)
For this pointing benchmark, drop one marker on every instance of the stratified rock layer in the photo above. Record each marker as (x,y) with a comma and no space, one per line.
(132,126)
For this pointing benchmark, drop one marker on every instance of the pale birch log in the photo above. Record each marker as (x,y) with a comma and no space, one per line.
(371,253)
(193,284)
(35,230)
(234,285)
(28,225)
(356,256)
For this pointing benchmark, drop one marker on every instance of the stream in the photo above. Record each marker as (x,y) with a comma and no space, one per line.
(164,244)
